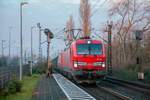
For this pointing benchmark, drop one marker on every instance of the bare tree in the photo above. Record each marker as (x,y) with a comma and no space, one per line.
(129,15)
(147,47)
(70,27)
(69,30)
(85,13)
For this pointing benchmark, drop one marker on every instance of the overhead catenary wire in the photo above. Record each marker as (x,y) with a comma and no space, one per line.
(60,31)
(94,5)
(97,8)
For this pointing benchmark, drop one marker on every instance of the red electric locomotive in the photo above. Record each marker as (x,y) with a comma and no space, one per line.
(83,61)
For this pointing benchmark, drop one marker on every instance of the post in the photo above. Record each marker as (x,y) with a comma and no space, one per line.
(31,64)
(21,59)
(39,26)
(49,35)
(21,47)
(48,58)
(10,28)
(40,44)
(3,48)
(25,57)
(109,51)
(139,36)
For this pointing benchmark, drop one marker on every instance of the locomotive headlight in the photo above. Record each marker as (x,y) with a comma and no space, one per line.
(103,65)
(75,64)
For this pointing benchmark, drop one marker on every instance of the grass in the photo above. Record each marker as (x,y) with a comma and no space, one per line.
(125,74)
(131,75)
(29,84)
(147,76)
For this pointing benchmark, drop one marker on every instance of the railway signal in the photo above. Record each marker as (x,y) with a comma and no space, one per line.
(109,50)
(49,35)
(138,36)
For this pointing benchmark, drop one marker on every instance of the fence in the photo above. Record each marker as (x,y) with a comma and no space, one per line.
(9,73)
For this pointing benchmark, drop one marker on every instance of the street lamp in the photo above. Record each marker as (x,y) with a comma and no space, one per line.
(49,35)
(3,48)
(31,63)
(10,28)
(40,50)
(21,47)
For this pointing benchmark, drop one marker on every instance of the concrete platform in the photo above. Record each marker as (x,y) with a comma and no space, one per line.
(48,89)
(72,91)
(57,87)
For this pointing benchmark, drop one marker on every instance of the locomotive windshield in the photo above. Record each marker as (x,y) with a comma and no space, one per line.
(89,49)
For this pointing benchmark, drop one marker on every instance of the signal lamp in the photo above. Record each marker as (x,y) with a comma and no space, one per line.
(48,33)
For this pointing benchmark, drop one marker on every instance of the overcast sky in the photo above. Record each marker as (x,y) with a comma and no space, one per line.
(52,14)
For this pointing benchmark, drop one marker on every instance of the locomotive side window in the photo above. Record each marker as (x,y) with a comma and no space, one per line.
(89,49)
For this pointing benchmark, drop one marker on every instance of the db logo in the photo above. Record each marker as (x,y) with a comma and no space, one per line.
(90,64)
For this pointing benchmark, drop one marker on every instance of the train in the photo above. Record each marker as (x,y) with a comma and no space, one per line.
(84,61)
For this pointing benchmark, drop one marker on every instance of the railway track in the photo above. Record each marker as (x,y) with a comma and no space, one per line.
(135,86)
(114,93)
(124,90)
(104,93)
(110,89)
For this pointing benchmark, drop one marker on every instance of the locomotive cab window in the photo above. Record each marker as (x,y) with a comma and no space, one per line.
(96,49)
(89,49)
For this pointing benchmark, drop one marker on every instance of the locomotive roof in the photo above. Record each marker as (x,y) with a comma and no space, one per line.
(82,41)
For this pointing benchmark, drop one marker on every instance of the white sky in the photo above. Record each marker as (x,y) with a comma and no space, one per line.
(51,14)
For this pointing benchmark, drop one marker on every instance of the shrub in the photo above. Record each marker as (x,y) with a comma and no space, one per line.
(11,87)
(126,74)
(18,85)
(4,92)
(147,76)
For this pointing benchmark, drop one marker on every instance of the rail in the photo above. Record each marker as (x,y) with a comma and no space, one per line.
(136,86)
